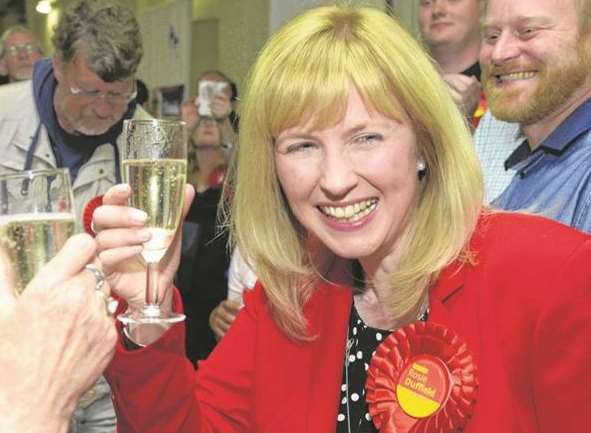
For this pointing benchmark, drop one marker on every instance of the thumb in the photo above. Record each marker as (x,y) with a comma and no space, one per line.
(78,251)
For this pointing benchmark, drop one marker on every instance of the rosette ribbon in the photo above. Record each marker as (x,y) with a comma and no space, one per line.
(88,212)
(421,379)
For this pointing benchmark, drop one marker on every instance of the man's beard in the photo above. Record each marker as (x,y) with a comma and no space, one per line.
(77,125)
(84,130)
(556,84)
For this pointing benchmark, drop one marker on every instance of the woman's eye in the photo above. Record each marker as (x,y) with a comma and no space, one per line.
(300,147)
(368,139)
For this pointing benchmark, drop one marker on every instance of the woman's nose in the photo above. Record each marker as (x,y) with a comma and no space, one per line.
(338,174)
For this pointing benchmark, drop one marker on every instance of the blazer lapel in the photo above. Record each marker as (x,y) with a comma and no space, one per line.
(328,319)
(449,285)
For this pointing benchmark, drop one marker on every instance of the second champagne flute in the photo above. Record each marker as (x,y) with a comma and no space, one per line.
(155,167)
(36,219)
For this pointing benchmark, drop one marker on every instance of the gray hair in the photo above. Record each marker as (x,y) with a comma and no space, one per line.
(18,28)
(105,32)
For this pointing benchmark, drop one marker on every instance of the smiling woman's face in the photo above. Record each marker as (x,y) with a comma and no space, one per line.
(351,185)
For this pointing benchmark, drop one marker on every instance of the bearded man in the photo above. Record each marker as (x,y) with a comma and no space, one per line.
(536,73)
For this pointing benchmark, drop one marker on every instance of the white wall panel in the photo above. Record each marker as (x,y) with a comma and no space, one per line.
(166,31)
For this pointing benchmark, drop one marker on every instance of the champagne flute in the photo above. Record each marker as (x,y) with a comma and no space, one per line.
(155,167)
(36,218)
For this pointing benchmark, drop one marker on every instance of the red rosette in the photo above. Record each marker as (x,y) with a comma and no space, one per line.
(87,214)
(421,379)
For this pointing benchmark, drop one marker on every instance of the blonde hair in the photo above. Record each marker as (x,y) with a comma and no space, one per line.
(311,63)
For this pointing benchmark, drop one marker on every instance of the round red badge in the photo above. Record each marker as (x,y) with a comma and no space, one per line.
(423,386)
(422,379)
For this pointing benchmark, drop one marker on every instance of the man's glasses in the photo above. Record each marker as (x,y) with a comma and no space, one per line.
(113,98)
(28,49)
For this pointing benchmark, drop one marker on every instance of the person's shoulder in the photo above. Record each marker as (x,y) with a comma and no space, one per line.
(525,227)
(17,99)
(532,260)
(530,239)
(17,87)
(584,144)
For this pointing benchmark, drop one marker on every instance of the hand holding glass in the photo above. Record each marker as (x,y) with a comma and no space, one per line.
(155,167)
(36,219)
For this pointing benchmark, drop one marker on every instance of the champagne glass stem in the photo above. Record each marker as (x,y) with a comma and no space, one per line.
(152,295)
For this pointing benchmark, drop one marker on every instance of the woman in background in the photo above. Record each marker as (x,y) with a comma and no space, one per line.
(201,276)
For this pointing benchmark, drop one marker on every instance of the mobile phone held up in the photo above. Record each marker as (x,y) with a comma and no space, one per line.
(207,91)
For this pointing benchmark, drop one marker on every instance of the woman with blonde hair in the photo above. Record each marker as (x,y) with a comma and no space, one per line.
(352,151)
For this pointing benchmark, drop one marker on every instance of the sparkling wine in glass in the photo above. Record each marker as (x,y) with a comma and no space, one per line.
(36,219)
(155,167)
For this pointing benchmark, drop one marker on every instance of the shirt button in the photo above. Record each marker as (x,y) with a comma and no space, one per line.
(47,155)
(101,171)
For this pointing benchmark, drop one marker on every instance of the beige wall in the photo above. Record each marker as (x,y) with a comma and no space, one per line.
(282,11)
(243,27)
(41,25)
(406,11)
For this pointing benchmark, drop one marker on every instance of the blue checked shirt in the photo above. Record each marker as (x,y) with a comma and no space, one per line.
(555,179)
(495,140)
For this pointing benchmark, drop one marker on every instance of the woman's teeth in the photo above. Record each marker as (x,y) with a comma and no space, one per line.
(350,213)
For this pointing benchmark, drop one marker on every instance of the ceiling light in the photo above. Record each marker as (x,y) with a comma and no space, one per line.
(43,7)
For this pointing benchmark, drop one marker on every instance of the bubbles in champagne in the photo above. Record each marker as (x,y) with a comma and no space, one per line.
(28,241)
(158,189)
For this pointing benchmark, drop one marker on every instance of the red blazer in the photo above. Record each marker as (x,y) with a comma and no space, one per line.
(524,309)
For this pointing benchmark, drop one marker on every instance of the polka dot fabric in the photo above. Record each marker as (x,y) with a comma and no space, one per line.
(352,414)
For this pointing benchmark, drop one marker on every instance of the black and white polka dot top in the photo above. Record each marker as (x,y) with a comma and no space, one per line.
(352,414)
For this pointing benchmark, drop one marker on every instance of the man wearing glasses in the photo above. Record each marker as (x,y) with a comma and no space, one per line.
(19,51)
(71,115)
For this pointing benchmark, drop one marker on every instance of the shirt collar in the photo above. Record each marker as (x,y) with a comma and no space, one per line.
(521,153)
(577,123)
